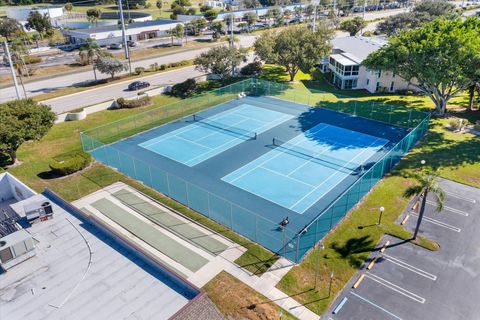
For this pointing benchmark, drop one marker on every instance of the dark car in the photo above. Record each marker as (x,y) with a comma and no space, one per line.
(138,85)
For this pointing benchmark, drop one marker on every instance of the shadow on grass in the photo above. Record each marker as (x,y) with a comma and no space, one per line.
(352,247)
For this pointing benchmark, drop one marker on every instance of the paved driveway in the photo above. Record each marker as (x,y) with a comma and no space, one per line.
(409,282)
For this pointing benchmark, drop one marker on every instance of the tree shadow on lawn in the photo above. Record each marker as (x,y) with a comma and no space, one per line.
(353,246)
(440,152)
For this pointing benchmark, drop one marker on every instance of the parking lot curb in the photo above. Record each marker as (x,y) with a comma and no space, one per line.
(359,280)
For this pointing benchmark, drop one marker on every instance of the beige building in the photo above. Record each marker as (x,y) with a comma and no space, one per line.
(345,69)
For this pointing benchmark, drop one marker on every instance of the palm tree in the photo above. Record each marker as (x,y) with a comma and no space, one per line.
(89,52)
(426,183)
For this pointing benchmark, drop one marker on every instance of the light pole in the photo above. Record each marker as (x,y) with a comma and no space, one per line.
(321,246)
(381,214)
(330,287)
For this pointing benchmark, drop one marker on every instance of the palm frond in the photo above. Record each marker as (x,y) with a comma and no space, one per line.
(412,191)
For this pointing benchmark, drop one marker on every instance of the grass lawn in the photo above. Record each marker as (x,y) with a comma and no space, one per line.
(238,301)
(455,155)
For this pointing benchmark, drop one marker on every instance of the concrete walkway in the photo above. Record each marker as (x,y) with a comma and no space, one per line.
(266,286)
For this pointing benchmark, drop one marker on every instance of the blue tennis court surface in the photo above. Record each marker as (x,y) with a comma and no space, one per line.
(204,139)
(298,173)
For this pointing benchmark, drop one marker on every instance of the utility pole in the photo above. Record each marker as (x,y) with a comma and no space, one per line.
(364,8)
(315,4)
(231,30)
(124,37)
(14,76)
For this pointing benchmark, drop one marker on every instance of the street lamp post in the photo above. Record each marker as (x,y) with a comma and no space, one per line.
(330,287)
(381,214)
(320,247)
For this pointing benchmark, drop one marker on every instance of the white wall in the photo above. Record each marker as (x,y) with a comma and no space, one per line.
(11,187)
(21,14)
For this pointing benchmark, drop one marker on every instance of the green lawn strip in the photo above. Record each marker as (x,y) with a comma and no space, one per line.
(150,235)
(348,246)
(170,222)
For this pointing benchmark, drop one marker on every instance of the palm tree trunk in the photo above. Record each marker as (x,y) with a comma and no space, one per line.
(94,72)
(471,95)
(420,215)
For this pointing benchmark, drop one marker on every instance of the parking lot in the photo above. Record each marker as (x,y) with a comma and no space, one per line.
(408,282)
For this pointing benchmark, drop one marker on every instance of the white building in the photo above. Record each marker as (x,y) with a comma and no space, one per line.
(347,72)
(106,35)
(21,13)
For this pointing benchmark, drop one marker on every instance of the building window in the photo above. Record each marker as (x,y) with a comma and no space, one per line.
(392,86)
(393,75)
(379,73)
(378,86)
(355,70)
(350,84)
(368,82)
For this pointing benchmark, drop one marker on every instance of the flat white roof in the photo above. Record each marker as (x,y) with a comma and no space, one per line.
(344,60)
(80,273)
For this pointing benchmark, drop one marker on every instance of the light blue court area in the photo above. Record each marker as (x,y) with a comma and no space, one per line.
(296,174)
(205,138)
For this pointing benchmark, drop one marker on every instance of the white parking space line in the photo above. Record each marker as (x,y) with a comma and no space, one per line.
(395,287)
(407,266)
(461,197)
(375,305)
(447,208)
(438,223)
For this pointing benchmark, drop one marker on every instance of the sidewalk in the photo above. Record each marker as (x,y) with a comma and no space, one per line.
(266,286)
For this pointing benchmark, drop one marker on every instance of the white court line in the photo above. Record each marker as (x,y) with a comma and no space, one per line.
(438,223)
(461,197)
(267,160)
(332,175)
(375,305)
(277,173)
(407,266)
(395,287)
(447,208)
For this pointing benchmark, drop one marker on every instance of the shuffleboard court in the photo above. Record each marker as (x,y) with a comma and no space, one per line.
(204,138)
(167,220)
(296,174)
(150,235)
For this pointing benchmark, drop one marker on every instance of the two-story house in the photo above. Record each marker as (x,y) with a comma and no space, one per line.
(345,70)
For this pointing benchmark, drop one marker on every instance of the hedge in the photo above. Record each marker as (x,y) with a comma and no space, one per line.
(73,163)
(130,104)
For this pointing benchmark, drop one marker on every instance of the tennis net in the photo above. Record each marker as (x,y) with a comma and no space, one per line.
(323,159)
(224,127)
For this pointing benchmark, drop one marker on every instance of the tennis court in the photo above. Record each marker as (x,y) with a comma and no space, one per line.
(297,173)
(206,137)
(252,153)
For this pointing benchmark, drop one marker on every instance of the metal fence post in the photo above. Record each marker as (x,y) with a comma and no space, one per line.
(231,216)
(297,248)
(355,108)
(256,228)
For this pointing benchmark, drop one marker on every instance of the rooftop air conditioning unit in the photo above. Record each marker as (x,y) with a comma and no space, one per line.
(42,210)
(16,248)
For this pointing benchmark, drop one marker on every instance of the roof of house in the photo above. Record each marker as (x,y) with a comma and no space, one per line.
(151,23)
(79,272)
(358,48)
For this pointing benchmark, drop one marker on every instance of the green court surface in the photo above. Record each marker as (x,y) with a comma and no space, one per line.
(170,222)
(150,235)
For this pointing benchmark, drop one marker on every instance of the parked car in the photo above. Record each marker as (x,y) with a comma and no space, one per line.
(116,46)
(136,85)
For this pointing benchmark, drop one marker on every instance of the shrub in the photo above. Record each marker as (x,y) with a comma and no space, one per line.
(367,34)
(154,66)
(252,69)
(178,64)
(184,89)
(71,164)
(130,104)
(139,70)
(32,59)
(163,67)
(455,124)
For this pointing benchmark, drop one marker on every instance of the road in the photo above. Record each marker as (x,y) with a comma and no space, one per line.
(48,85)
(71,102)
(85,98)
